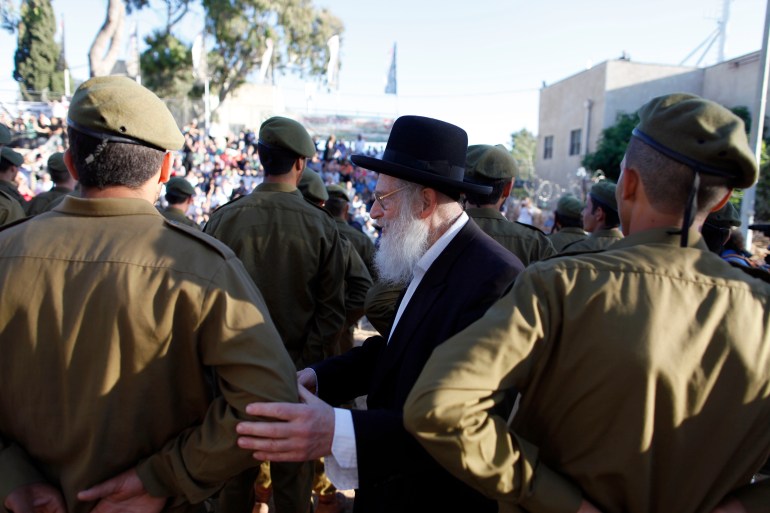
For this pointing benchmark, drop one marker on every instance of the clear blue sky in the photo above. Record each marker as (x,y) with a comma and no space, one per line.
(478,64)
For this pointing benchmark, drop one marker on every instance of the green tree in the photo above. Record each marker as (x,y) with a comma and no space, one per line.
(523,145)
(37,53)
(612,146)
(241,28)
(167,66)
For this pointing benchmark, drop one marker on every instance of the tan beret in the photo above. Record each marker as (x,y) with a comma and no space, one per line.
(604,192)
(56,162)
(493,162)
(118,109)
(17,159)
(312,186)
(287,134)
(700,134)
(570,206)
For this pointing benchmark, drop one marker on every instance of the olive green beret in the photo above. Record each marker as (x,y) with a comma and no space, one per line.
(725,217)
(280,132)
(486,161)
(312,186)
(17,159)
(570,206)
(700,134)
(5,135)
(120,110)
(604,192)
(56,162)
(179,185)
(335,191)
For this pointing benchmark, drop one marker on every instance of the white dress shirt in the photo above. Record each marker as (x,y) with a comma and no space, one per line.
(342,465)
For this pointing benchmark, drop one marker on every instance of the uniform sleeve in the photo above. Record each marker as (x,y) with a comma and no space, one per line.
(330,302)
(449,407)
(239,342)
(358,281)
(380,306)
(16,469)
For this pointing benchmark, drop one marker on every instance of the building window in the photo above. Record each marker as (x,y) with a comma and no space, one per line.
(548,147)
(574,141)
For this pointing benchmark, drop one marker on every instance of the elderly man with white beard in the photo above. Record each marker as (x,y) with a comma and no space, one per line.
(454,272)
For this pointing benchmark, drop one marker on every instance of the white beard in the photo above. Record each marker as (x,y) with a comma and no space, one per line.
(403,243)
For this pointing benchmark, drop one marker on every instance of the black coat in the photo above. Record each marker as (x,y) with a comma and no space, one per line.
(395,473)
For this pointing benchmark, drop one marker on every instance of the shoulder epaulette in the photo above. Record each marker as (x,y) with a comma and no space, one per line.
(535,228)
(208,240)
(14,223)
(229,203)
(573,253)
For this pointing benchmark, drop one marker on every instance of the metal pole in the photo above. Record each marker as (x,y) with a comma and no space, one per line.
(755,137)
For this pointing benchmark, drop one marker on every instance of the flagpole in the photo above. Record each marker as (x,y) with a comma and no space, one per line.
(755,137)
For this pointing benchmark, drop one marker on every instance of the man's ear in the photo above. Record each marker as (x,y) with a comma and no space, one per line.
(723,201)
(70,165)
(299,166)
(165,168)
(631,184)
(428,202)
(507,189)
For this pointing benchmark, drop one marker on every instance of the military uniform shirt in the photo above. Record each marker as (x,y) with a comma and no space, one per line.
(42,202)
(10,210)
(176,215)
(12,190)
(294,256)
(566,236)
(599,239)
(128,340)
(645,379)
(526,242)
(360,241)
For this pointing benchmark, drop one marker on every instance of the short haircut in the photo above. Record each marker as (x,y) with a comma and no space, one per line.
(58,175)
(103,164)
(475,198)
(611,218)
(567,222)
(175,198)
(336,206)
(667,182)
(276,161)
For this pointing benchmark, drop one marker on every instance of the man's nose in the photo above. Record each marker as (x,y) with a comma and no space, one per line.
(376,210)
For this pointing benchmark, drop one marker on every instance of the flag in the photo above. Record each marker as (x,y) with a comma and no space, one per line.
(132,63)
(390,87)
(200,67)
(333,68)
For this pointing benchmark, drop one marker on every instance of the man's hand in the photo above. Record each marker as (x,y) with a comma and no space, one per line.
(729,505)
(587,507)
(300,432)
(35,498)
(124,493)
(307,378)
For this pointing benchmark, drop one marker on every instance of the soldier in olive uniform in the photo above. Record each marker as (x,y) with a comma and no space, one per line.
(357,283)
(63,184)
(567,222)
(600,219)
(10,163)
(294,256)
(495,166)
(130,344)
(10,210)
(337,206)
(179,194)
(644,369)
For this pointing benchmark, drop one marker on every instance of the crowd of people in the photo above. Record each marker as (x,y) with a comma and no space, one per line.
(194,353)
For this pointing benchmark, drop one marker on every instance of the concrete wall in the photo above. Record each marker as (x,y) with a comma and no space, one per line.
(734,83)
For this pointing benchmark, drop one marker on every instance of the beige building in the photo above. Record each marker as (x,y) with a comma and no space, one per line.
(574,111)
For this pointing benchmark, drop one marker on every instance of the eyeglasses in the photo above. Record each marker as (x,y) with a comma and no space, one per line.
(380,197)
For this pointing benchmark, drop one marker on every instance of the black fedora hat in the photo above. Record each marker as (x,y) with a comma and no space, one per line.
(428,152)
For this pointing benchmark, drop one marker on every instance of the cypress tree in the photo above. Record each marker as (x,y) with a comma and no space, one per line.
(37,52)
